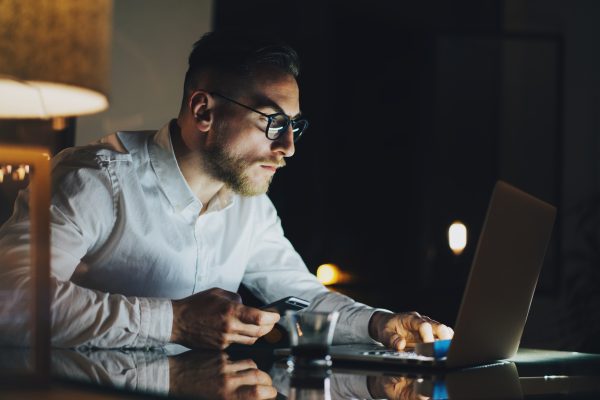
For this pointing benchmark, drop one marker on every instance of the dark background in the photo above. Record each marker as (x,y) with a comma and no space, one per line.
(417,108)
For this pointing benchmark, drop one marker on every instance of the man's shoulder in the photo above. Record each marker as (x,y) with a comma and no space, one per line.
(132,143)
(117,146)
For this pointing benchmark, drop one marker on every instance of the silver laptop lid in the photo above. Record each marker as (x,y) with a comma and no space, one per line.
(503,277)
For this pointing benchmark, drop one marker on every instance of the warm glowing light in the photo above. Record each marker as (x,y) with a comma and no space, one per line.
(16,173)
(59,123)
(457,237)
(36,99)
(328,274)
(21,173)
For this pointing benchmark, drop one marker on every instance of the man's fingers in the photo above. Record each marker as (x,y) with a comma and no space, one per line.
(412,321)
(427,328)
(418,327)
(398,331)
(237,366)
(440,330)
(397,342)
(251,315)
(249,377)
(426,332)
(256,392)
(443,332)
(236,326)
(237,338)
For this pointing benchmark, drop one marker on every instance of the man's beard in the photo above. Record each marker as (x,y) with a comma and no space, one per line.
(232,170)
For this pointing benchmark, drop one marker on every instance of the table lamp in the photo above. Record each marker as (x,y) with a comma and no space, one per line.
(54,57)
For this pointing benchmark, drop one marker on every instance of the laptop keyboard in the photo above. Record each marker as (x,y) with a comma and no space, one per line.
(391,353)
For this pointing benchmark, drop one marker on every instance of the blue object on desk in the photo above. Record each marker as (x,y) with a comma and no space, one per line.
(437,349)
(440,348)
(440,392)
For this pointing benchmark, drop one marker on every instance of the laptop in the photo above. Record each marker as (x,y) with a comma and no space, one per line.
(496,381)
(499,290)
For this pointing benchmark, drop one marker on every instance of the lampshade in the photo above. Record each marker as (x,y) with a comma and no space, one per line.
(54,57)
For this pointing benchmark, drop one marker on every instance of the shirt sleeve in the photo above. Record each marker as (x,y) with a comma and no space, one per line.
(275,270)
(82,214)
(133,370)
(349,386)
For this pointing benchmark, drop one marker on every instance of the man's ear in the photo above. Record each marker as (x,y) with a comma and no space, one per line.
(201,106)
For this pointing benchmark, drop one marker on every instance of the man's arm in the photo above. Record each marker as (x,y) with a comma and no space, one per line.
(276,270)
(132,370)
(82,216)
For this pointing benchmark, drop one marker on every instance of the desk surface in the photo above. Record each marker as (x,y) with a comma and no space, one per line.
(118,374)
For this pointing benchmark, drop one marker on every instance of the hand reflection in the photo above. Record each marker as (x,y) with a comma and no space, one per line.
(394,387)
(213,375)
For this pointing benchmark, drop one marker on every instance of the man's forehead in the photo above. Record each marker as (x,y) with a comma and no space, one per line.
(279,92)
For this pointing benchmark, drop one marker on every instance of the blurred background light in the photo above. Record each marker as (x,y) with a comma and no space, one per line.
(457,237)
(328,274)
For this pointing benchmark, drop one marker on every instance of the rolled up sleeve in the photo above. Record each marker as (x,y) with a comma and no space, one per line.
(79,316)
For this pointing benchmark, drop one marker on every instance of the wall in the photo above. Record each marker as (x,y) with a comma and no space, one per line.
(508,88)
(150,44)
(575,313)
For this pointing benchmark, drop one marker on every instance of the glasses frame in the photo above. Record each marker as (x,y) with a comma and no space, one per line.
(270,118)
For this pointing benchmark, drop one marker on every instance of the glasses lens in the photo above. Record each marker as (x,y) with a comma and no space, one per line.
(279,123)
(298,128)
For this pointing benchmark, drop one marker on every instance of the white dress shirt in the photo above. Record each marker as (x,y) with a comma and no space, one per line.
(126,238)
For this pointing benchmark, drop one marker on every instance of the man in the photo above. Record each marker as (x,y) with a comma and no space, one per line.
(152,232)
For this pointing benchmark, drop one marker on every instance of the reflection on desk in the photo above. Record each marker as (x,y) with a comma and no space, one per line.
(257,375)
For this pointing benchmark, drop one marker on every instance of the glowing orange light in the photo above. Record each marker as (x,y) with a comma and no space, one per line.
(328,274)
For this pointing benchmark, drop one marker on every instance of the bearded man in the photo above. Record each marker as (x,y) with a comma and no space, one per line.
(153,232)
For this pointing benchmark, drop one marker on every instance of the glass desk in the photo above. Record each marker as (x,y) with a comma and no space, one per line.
(247,373)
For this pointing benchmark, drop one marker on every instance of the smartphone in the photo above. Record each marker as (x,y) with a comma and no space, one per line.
(287,303)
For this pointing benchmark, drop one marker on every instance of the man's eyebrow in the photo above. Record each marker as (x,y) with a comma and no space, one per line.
(265,102)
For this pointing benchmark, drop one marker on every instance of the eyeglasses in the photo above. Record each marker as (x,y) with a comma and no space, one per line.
(277,123)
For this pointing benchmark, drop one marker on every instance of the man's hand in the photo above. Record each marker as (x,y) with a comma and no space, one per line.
(216,318)
(397,331)
(394,388)
(212,375)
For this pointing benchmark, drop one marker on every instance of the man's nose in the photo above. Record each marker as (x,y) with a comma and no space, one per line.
(284,144)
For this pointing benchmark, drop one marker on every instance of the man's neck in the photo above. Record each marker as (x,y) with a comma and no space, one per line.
(192,167)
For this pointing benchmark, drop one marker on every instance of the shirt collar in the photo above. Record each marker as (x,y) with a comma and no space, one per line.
(176,188)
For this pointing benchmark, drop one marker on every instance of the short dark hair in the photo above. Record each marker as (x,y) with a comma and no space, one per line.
(238,54)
